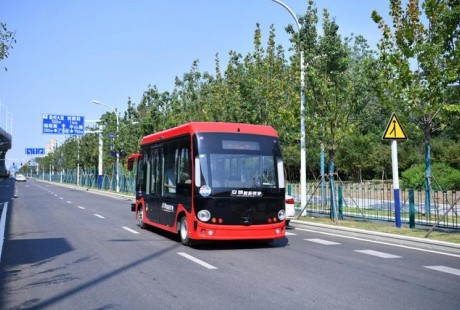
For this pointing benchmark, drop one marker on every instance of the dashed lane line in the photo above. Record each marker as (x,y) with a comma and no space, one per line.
(131,230)
(196,260)
(99,216)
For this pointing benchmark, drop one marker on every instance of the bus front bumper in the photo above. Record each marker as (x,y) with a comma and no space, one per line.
(203,231)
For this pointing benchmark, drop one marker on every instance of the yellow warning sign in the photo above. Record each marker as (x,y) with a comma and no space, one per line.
(394,130)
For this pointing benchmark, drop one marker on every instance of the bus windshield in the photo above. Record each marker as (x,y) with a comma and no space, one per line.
(237,161)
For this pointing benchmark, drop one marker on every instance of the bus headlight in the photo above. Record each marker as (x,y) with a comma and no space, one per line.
(281,215)
(204,215)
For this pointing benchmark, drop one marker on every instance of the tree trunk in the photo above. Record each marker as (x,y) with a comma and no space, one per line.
(427,171)
(334,213)
(427,179)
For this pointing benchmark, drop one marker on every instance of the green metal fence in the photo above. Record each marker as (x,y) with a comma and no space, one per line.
(367,201)
(371,201)
(88,178)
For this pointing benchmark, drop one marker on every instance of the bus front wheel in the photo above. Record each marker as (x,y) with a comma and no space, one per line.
(183,231)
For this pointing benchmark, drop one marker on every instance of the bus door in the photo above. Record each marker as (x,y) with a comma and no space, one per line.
(162,201)
(169,180)
(176,186)
(168,207)
(152,197)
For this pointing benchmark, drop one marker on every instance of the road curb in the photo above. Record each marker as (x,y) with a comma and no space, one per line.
(429,244)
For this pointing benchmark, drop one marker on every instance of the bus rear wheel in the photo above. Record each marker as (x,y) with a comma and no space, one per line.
(183,231)
(140,217)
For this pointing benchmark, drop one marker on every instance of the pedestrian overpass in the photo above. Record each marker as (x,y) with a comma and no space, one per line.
(5,145)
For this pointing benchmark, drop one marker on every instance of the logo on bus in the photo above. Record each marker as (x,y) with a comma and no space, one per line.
(167,208)
(243,193)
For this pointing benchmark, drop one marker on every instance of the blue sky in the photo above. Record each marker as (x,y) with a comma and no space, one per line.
(71,52)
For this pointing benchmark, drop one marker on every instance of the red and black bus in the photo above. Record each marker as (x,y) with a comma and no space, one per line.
(211,181)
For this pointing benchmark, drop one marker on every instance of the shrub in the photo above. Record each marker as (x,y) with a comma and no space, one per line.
(444,177)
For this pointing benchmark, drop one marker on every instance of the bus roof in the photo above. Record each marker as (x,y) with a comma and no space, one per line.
(197,127)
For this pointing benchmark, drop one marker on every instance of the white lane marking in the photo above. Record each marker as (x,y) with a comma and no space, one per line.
(83,208)
(61,198)
(2,227)
(99,216)
(322,241)
(56,195)
(288,233)
(131,230)
(69,201)
(379,242)
(377,253)
(196,260)
(445,269)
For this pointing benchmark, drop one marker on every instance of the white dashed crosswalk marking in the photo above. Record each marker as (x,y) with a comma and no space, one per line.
(377,253)
(322,241)
(445,269)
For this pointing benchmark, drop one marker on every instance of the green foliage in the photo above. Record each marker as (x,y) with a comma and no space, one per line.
(7,39)
(447,151)
(350,93)
(363,157)
(444,177)
(419,61)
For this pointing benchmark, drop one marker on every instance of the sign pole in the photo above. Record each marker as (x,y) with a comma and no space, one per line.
(394,162)
(394,132)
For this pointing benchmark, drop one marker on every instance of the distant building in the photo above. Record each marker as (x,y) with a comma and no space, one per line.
(51,146)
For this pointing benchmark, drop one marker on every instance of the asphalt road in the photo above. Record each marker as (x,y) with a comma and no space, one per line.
(71,249)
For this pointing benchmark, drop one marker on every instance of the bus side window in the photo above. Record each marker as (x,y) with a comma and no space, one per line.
(156,171)
(203,177)
(184,167)
(184,174)
(145,175)
(170,169)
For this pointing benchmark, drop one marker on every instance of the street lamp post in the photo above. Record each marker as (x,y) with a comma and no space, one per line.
(303,156)
(117,153)
(99,159)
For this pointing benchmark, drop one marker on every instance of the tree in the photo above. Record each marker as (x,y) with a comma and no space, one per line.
(420,59)
(337,86)
(7,39)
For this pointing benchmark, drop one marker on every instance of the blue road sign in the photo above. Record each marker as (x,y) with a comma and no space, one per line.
(63,124)
(35,151)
